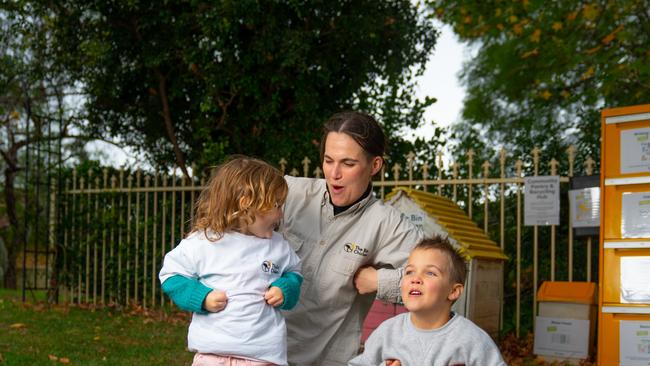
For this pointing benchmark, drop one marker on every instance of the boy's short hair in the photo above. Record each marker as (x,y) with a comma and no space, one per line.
(457,264)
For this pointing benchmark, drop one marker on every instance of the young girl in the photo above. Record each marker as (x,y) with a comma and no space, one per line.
(233,248)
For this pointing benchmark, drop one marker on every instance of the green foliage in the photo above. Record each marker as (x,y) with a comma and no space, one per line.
(545,69)
(249,77)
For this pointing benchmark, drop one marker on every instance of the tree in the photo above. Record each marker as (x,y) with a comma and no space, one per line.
(544,70)
(32,92)
(188,81)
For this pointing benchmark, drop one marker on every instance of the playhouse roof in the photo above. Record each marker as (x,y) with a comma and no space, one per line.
(472,240)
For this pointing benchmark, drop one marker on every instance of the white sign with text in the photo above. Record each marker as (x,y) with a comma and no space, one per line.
(542,200)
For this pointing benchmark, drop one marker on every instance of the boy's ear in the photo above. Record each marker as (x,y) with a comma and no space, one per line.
(456,291)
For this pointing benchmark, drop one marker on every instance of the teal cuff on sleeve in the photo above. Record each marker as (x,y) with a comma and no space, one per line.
(187,293)
(289,284)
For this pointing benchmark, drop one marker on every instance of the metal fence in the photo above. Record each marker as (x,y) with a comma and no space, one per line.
(116,226)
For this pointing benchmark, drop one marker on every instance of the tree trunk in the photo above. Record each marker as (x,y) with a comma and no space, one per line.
(169,126)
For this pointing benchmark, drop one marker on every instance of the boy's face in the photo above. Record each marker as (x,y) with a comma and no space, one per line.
(427,285)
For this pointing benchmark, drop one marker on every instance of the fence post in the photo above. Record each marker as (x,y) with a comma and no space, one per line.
(571,150)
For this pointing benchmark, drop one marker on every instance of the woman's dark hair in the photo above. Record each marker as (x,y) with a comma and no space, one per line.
(363,129)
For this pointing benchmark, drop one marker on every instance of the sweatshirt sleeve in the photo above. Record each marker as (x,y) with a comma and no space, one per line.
(371,355)
(187,293)
(289,284)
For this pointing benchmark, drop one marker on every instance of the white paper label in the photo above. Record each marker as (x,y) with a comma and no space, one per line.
(635,215)
(561,337)
(635,280)
(585,207)
(635,151)
(634,349)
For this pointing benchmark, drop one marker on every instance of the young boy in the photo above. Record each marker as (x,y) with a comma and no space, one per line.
(430,333)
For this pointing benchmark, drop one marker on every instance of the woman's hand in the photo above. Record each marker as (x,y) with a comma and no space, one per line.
(274,296)
(215,301)
(365,280)
(393,363)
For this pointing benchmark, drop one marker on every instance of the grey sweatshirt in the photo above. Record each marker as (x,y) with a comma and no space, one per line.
(459,342)
(325,327)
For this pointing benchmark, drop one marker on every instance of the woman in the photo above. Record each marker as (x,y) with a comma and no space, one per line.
(350,244)
(337,227)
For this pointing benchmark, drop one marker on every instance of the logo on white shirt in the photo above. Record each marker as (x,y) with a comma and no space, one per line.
(355,249)
(268,266)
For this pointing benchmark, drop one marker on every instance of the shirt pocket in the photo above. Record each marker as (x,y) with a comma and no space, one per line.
(336,286)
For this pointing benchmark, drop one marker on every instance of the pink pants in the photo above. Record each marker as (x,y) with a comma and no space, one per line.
(208,359)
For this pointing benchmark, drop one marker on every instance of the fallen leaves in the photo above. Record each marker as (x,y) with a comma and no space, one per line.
(519,352)
(54,358)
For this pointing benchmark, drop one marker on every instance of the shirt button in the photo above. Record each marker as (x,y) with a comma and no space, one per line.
(322,242)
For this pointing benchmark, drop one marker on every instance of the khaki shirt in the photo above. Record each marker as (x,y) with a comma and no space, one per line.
(325,327)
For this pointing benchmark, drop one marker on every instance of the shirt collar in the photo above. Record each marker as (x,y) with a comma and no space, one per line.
(338,210)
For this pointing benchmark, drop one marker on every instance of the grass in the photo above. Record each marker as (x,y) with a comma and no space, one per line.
(33,333)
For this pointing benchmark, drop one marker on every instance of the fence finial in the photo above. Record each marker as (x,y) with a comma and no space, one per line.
(518,167)
(486,169)
(535,153)
(502,162)
(425,170)
(589,165)
(318,172)
(454,169)
(470,161)
(283,165)
(554,163)
(410,160)
(439,164)
(571,151)
(305,166)
(396,169)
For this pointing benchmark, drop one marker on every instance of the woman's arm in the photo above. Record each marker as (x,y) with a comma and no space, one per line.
(398,236)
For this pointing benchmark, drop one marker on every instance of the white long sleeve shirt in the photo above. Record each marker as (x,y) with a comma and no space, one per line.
(243,266)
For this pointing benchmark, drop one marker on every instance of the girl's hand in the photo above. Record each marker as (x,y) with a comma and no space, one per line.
(215,301)
(274,296)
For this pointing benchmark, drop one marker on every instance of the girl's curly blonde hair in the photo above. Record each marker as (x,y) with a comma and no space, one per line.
(236,191)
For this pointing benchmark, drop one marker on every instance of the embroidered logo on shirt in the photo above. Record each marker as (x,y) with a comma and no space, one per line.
(268,266)
(356,249)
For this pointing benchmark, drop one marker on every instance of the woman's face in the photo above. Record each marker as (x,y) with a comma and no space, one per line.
(347,168)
